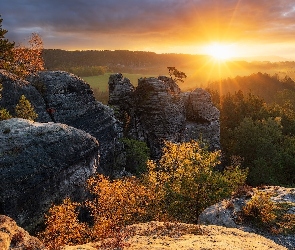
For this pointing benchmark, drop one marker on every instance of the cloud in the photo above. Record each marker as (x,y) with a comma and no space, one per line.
(130,22)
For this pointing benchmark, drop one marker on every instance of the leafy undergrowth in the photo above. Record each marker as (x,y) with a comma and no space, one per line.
(176,188)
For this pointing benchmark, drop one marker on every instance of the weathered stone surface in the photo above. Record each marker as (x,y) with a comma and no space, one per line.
(157,113)
(165,235)
(121,90)
(74,104)
(13,237)
(157,110)
(13,88)
(41,164)
(223,214)
(202,118)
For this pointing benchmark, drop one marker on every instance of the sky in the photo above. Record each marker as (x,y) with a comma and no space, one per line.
(245,28)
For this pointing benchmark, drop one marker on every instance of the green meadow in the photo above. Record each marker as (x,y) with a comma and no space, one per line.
(101,81)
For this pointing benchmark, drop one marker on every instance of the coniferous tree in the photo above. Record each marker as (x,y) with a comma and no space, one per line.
(24,109)
(6,49)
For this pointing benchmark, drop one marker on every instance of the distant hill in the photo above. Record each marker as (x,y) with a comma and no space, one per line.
(120,60)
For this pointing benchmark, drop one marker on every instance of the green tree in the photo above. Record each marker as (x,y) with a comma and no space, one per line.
(176,75)
(185,180)
(260,144)
(137,155)
(6,49)
(24,109)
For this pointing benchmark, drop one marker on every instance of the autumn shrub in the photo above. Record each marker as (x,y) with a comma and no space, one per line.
(63,226)
(185,180)
(266,214)
(177,188)
(114,204)
(260,208)
(28,60)
(118,203)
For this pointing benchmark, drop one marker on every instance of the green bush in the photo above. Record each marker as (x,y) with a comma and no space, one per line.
(137,155)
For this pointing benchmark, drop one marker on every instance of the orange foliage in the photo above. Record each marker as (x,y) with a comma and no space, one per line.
(63,226)
(28,60)
(117,203)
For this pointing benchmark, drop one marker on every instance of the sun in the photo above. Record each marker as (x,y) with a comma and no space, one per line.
(220,52)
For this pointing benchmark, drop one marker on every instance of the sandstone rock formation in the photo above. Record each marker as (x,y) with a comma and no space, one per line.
(13,237)
(156,110)
(202,118)
(74,104)
(227,213)
(41,164)
(65,98)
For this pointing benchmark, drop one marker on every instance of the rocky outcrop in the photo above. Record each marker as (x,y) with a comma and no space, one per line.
(156,110)
(65,98)
(227,213)
(13,237)
(41,164)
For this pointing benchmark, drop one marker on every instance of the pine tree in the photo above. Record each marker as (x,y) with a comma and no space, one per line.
(24,109)
(6,49)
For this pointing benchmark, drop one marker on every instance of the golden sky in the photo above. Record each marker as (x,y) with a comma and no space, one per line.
(246,27)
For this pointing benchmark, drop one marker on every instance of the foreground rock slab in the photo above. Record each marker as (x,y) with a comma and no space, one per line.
(227,213)
(41,164)
(157,235)
(13,237)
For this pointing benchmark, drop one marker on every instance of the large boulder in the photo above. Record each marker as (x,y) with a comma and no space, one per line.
(156,110)
(41,164)
(65,98)
(74,104)
(228,213)
(13,237)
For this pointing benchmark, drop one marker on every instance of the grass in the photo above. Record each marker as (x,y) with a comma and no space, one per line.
(101,82)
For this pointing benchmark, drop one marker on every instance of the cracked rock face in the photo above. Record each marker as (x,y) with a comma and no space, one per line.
(158,111)
(74,104)
(41,164)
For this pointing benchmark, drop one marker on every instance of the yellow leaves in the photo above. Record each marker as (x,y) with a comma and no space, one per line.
(260,207)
